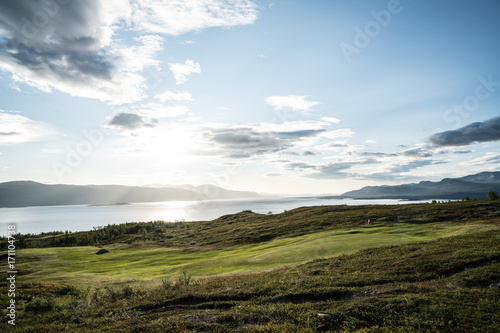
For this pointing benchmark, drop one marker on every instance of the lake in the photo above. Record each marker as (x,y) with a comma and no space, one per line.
(83,217)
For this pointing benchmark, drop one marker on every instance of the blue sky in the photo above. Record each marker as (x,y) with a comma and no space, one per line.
(271,96)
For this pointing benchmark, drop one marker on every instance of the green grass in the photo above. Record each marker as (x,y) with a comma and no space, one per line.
(132,263)
(418,268)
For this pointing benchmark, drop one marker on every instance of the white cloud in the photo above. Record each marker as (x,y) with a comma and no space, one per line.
(178,17)
(15,128)
(77,50)
(181,71)
(4,168)
(331,120)
(141,55)
(341,168)
(70,51)
(121,87)
(340,133)
(294,102)
(335,145)
(486,159)
(291,126)
(170,95)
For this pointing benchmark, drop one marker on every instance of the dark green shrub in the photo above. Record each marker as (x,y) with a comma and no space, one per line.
(41,304)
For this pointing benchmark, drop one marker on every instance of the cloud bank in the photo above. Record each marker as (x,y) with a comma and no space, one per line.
(75,46)
(474,133)
(253,140)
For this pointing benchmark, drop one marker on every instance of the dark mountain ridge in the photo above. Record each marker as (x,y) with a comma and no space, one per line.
(473,186)
(29,193)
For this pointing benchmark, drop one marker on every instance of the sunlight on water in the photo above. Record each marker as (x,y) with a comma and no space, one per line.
(171,211)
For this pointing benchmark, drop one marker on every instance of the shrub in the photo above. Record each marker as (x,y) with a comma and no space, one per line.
(41,304)
(492,195)
(166,284)
(184,279)
(128,291)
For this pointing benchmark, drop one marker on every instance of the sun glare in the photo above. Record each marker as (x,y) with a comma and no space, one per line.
(169,143)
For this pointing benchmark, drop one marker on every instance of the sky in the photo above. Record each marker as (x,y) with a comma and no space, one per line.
(285,97)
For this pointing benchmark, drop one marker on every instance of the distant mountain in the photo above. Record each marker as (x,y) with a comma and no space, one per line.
(29,193)
(473,186)
(212,190)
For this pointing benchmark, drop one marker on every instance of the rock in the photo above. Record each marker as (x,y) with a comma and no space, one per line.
(101,251)
(324,315)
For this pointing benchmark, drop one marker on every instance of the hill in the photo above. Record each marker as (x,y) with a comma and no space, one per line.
(474,186)
(29,193)
(416,268)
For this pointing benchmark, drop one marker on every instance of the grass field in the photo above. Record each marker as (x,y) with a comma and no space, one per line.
(417,268)
(132,263)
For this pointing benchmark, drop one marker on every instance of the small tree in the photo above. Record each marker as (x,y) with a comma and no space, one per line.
(492,195)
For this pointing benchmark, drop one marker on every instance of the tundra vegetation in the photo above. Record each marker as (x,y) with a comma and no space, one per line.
(416,267)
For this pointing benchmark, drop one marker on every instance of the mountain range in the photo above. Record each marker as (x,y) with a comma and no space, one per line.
(29,193)
(473,186)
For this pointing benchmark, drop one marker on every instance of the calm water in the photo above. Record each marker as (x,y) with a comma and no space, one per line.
(83,217)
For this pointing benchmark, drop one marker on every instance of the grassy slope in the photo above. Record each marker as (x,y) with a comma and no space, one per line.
(418,286)
(128,263)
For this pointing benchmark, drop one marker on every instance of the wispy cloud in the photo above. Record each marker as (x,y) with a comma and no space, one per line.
(170,95)
(140,55)
(340,133)
(329,170)
(250,140)
(331,120)
(293,102)
(396,170)
(15,128)
(483,160)
(419,151)
(182,71)
(350,162)
(178,17)
(339,145)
